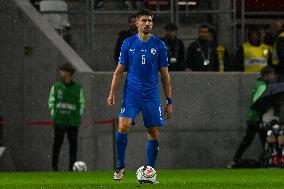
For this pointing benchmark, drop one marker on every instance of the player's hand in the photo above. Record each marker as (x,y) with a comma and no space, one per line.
(111,99)
(168,111)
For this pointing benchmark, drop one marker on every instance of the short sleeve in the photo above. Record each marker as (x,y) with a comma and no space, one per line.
(123,57)
(163,56)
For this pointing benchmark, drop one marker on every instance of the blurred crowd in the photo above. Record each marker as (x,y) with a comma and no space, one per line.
(126,4)
(261,47)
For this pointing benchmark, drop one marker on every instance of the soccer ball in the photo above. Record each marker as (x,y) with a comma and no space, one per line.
(146,174)
(79,166)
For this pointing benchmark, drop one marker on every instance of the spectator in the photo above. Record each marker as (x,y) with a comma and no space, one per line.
(252,55)
(254,118)
(66,103)
(175,48)
(59,21)
(125,34)
(278,49)
(202,53)
(222,52)
(271,36)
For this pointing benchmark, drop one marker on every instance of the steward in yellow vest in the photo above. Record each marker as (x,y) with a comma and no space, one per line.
(253,55)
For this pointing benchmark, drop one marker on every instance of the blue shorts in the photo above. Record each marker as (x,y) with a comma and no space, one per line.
(151,111)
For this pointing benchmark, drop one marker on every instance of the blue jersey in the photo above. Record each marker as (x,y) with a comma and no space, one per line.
(143,61)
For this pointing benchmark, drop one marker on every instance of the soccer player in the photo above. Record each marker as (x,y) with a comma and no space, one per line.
(144,55)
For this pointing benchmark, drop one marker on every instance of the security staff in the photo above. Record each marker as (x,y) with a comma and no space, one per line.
(66,103)
(252,55)
(202,53)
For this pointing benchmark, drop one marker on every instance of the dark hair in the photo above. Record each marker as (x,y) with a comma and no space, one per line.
(204,26)
(130,17)
(68,68)
(171,27)
(253,30)
(144,12)
(266,71)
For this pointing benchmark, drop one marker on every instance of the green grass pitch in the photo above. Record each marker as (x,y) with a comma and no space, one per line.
(168,179)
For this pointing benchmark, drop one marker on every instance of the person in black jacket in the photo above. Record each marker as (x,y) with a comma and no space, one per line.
(202,53)
(125,34)
(175,48)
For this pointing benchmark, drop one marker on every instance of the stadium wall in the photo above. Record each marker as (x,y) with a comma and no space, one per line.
(204,132)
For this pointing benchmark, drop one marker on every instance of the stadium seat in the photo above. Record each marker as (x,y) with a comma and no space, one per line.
(158,4)
(57,20)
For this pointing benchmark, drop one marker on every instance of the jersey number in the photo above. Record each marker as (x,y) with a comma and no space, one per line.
(143,59)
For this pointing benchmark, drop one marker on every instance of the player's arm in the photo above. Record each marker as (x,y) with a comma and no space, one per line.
(166,82)
(114,84)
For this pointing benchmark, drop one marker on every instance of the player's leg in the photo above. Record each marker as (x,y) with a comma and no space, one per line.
(72,135)
(121,144)
(129,111)
(152,116)
(122,139)
(153,145)
(59,131)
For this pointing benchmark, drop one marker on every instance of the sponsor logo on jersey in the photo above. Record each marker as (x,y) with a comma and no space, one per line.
(66,106)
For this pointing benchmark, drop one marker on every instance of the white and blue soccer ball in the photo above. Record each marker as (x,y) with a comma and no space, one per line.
(79,166)
(146,174)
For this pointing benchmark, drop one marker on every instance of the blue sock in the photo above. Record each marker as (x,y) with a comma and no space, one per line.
(121,143)
(152,152)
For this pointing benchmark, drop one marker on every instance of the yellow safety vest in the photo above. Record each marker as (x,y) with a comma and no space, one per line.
(275,59)
(255,58)
(221,54)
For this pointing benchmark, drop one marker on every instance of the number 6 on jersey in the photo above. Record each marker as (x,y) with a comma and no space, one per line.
(143,59)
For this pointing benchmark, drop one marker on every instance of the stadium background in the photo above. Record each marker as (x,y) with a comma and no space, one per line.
(206,128)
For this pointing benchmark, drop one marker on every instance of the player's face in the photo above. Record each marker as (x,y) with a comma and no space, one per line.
(144,24)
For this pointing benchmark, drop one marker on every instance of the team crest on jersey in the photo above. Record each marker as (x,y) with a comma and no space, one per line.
(153,51)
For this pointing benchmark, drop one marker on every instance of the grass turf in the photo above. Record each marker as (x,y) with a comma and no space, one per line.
(169,179)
